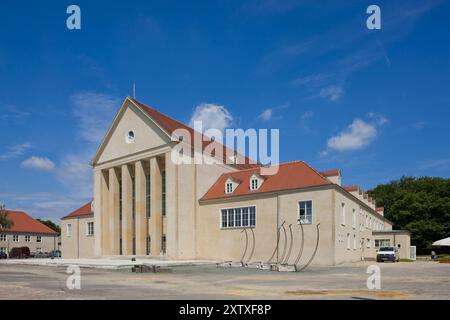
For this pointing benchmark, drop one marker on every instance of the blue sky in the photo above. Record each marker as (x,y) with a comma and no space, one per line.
(374,103)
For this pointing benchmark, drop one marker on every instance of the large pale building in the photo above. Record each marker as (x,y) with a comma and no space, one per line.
(148,204)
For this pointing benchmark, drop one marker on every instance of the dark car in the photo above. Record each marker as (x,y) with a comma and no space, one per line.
(41,255)
(19,253)
(55,254)
(3,255)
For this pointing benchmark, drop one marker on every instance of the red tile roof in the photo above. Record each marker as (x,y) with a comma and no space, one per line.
(290,176)
(25,223)
(82,211)
(352,188)
(379,209)
(170,125)
(331,173)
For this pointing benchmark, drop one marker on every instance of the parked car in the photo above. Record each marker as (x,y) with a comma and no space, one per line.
(3,255)
(41,255)
(19,253)
(55,254)
(388,254)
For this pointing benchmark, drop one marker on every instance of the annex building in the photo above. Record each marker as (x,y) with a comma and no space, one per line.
(27,232)
(145,204)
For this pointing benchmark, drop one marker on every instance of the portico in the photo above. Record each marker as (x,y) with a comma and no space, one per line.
(133,207)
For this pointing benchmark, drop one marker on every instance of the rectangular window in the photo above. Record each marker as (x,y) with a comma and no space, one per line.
(305,212)
(224,218)
(229,188)
(39,239)
(382,243)
(27,238)
(368,243)
(90,229)
(163,244)
(231,218)
(354,242)
(245,221)
(120,200)
(348,241)
(133,198)
(3,249)
(354,218)
(254,184)
(149,241)
(343,214)
(238,217)
(3,237)
(69,230)
(15,238)
(163,177)
(252,216)
(147,194)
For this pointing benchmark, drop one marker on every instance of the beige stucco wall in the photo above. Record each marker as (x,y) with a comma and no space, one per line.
(362,233)
(79,244)
(47,244)
(225,244)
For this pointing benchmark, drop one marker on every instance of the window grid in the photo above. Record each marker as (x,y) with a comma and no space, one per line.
(238,217)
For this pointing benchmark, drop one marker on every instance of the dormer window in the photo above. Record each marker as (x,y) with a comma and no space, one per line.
(256,181)
(254,184)
(229,187)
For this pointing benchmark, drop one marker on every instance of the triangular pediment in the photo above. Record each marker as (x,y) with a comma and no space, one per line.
(133,131)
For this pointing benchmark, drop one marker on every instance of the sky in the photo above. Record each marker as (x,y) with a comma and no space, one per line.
(374,103)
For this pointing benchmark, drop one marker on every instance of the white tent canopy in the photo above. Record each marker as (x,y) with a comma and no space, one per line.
(442,243)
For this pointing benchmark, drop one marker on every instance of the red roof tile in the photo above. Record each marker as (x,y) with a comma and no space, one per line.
(352,188)
(25,223)
(83,211)
(170,125)
(290,176)
(379,209)
(331,173)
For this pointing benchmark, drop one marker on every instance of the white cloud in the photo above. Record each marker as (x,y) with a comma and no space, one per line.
(38,163)
(212,116)
(269,113)
(15,151)
(95,112)
(332,93)
(266,115)
(358,135)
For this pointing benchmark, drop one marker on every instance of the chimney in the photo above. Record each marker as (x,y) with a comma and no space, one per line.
(333,175)
(380,210)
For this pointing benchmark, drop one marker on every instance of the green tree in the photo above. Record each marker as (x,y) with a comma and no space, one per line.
(420,205)
(51,225)
(5,223)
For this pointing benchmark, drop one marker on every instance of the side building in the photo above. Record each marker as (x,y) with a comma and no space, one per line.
(27,232)
(77,233)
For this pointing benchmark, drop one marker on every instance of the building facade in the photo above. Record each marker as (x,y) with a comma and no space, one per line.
(27,232)
(77,233)
(147,202)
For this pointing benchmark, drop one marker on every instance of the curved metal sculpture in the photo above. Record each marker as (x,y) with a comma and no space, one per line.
(285,261)
(314,253)
(246,246)
(253,246)
(276,246)
(302,244)
(284,247)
